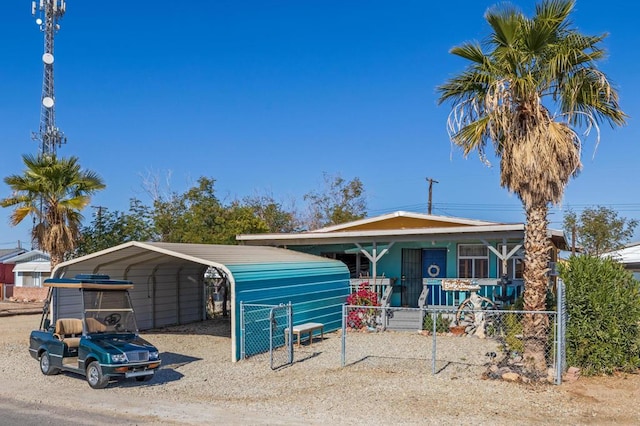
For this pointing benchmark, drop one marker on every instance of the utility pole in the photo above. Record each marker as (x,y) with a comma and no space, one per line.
(431,182)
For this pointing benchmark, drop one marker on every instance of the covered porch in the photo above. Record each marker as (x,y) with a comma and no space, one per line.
(405,256)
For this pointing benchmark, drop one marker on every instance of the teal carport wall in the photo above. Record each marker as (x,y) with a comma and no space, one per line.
(170,288)
(317,288)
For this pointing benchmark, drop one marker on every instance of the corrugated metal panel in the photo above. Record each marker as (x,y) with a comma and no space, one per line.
(238,255)
(317,290)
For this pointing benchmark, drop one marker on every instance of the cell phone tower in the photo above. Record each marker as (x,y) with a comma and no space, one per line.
(48,13)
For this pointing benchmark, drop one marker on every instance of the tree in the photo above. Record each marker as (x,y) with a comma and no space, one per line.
(55,191)
(108,229)
(197,216)
(599,230)
(340,202)
(238,219)
(504,97)
(272,213)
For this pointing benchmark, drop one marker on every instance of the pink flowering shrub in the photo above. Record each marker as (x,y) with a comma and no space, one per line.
(360,317)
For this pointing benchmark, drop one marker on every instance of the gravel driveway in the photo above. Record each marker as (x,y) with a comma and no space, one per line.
(197,383)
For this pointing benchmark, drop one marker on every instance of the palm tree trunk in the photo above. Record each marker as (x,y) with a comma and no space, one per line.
(536,326)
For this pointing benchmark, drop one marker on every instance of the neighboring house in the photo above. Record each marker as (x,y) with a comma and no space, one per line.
(30,269)
(410,253)
(629,257)
(6,271)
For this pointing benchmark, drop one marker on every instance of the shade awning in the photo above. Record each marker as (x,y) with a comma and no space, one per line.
(32,267)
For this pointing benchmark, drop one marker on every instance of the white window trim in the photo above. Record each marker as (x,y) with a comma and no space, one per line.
(473,265)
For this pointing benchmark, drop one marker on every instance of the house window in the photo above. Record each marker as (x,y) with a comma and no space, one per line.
(473,261)
(515,264)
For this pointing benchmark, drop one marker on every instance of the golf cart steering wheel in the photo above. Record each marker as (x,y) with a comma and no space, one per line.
(112,319)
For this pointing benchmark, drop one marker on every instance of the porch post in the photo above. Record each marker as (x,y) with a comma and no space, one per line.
(373,257)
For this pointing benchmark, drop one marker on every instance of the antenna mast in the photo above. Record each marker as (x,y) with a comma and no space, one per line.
(48,13)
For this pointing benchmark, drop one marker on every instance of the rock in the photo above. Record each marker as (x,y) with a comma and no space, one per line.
(503,370)
(510,377)
(494,368)
(572,374)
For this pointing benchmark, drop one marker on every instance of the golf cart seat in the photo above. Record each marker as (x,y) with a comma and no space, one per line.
(69,331)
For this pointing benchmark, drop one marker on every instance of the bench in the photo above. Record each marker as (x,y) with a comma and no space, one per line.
(307,327)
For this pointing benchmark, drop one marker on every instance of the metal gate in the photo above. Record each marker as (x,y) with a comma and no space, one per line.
(281,338)
(262,331)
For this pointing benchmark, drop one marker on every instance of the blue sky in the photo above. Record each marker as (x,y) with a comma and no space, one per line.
(265,96)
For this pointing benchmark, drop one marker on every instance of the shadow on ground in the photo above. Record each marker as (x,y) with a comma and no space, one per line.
(220,327)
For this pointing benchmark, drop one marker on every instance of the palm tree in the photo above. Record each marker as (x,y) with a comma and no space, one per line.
(54,191)
(505,97)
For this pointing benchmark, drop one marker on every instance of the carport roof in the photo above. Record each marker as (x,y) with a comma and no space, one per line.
(206,254)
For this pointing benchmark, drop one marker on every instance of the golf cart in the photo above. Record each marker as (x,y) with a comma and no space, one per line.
(88,327)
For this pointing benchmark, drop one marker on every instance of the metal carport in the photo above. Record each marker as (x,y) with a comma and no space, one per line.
(169,286)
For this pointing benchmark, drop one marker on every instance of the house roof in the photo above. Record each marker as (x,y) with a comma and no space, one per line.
(9,253)
(400,226)
(627,255)
(29,256)
(403,220)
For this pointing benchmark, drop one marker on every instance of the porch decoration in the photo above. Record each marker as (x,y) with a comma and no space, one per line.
(433,270)
(459,284)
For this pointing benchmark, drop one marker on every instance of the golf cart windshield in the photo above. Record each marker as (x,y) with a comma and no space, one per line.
(108,311)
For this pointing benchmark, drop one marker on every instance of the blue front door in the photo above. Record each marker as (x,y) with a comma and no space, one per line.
(434,265)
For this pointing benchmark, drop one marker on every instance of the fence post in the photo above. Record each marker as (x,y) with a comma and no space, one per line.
(272,325)
(561,333)
(433,346)
(242,353)
(344,335)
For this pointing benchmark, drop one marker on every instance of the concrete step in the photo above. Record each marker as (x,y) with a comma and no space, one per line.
(405,320)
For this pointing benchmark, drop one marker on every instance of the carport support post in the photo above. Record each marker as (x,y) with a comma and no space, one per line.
(344,335)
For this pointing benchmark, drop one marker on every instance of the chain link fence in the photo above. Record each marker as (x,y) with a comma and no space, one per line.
(451,342)
(489,342)
(266,333)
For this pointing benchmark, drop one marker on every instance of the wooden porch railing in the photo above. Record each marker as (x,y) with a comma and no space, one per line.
(436,296)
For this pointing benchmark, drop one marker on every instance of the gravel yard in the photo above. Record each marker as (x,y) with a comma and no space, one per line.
(197,383)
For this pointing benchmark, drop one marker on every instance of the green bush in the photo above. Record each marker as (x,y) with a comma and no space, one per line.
(513,329)
(603,303)
(442,323)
